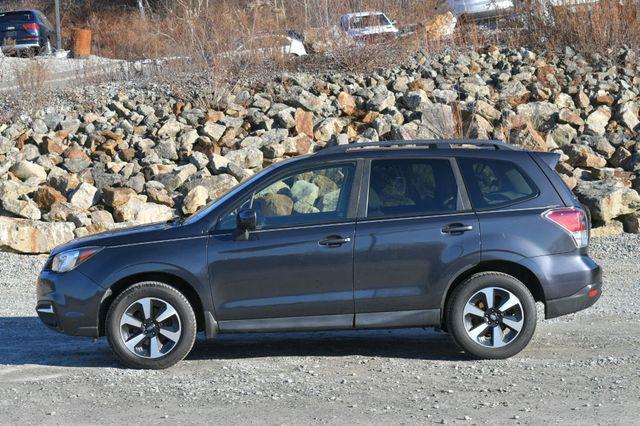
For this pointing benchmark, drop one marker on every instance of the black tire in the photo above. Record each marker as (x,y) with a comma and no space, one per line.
(46,49)
(155,290)
(464,292)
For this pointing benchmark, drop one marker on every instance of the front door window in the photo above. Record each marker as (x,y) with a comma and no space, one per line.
(314,196)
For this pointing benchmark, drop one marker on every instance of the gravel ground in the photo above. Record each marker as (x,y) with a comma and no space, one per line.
(579,369)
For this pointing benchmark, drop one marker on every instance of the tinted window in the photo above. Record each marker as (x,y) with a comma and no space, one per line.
(318,195)
(15,17)
(494,183)
(411,187)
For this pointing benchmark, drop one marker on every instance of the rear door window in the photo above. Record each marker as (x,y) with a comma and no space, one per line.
(412,187)
(496,183)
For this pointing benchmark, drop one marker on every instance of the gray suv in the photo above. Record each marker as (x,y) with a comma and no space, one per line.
(461,235)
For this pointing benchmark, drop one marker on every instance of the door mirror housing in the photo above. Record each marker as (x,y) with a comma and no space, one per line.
(247,220)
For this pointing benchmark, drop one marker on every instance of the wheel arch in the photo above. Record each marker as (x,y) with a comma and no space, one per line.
(170,279)
(516,270)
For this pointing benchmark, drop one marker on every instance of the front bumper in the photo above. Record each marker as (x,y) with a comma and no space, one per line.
(69,303)
(582,299)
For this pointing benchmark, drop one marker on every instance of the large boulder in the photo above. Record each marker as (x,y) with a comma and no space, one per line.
(25,169)
(195,199)
(538,112)
(304,122)
(248,158)
(628,114)
(437,122)
(85,196)
(22,208)
(381,100)
(583,156)
(139,212)
(327,128)
(347,103)
(607,199)
(273,204)
(46,196)
(597,121)
(216,185)
(170,128)
(33,237)
(213,130)
(177,177)
(115,197)
(14,189)
(528,138)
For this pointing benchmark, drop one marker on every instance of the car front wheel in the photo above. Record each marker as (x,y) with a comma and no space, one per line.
(151,325)
(491,315)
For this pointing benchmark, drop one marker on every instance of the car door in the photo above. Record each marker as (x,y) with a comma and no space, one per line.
(414,234)
(295,271)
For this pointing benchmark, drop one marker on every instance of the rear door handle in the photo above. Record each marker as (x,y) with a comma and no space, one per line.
(334,241)
(456,229)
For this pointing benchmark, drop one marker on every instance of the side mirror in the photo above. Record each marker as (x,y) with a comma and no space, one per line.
(247,220)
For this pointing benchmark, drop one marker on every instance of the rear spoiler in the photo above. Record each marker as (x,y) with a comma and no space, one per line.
(550,158)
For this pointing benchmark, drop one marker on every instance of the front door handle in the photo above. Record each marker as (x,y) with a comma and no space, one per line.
(334,241)
(456,229)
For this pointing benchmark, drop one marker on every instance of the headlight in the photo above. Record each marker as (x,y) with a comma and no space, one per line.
(68,260)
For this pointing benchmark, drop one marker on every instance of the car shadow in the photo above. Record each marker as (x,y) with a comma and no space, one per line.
(413,343)
(25,341)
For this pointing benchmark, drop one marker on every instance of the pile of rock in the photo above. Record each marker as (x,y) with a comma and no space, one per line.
(147,156)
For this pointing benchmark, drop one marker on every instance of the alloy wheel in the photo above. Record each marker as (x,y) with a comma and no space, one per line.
(150,327)
(493,317)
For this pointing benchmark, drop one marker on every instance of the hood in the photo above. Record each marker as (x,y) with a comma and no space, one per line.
(132,235)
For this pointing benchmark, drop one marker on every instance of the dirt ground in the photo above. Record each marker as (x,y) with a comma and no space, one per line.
(579,369)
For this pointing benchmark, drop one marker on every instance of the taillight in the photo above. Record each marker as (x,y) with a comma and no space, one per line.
(32,28)
(574,221)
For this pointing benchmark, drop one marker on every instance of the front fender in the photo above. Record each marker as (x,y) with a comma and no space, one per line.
(184,258)
(144,268)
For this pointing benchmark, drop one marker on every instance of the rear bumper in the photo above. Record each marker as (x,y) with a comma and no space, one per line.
(21,46)
(69,303)
(566,280)
(582,299)
(23,43)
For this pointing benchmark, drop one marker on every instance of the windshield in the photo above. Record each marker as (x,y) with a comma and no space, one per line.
(205,210)
(15,17)
(368,21)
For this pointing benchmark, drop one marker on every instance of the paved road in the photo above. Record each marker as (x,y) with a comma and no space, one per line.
(584,368)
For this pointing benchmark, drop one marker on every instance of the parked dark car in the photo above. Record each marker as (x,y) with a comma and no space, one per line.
(461,235)
(26,31)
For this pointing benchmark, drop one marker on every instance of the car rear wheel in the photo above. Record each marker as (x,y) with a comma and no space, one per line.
(491,315)
(151,325)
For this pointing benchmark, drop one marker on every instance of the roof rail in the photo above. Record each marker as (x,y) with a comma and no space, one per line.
(420,143)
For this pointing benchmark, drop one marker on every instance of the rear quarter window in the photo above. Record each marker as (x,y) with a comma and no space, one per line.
(496,183)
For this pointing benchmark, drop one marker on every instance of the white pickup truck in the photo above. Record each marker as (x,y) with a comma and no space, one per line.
(367,24)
